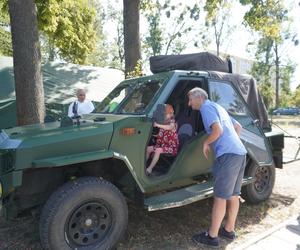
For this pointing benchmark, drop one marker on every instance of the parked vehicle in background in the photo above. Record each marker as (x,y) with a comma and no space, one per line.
(287,111)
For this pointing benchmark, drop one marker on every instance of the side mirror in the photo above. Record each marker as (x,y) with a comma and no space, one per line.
(255,122)
(49,118)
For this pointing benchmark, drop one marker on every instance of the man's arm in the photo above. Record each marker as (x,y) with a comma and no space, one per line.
(70,110)
(216,132)
(237,126)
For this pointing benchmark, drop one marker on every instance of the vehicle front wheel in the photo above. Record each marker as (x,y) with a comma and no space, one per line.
(87,213)
(262,187)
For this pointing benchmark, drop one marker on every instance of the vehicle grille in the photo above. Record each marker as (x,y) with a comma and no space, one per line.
(6,162)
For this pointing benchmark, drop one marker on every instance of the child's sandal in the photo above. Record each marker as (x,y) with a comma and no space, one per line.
(148,172)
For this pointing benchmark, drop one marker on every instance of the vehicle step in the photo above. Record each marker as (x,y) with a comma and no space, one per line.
(183,196)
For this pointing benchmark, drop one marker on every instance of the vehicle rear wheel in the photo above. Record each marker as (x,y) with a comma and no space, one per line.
(87,213)
(262,187)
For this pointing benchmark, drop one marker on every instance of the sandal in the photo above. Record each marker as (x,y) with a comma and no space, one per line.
(148,172)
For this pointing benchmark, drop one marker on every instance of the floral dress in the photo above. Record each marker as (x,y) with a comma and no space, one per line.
(167,140)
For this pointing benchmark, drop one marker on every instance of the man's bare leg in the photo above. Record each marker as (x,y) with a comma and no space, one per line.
(218,213)
(233,205)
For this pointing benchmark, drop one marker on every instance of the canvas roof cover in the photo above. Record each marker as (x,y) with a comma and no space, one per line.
(196,61)
(60,83)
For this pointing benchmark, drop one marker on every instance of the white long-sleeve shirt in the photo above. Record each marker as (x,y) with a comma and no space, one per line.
(84,107)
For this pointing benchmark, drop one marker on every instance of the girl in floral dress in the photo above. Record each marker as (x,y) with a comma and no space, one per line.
(166,141)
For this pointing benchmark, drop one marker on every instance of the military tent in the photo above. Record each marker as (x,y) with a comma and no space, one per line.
(60,83)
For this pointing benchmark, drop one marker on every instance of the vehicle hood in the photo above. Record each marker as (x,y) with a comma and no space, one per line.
(42,141)
(48,133)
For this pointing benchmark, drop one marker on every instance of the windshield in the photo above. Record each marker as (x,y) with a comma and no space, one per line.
(131,98)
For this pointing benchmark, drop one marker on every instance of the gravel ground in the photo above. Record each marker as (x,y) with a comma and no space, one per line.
(173,228)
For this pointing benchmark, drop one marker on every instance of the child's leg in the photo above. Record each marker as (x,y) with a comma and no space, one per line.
(150,149)
(155,158)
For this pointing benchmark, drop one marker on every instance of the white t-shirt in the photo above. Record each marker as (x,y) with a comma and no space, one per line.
(84,107)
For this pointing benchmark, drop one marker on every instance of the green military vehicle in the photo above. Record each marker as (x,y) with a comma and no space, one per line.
(82,172)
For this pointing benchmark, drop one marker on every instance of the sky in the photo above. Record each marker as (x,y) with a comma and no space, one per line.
(237,43)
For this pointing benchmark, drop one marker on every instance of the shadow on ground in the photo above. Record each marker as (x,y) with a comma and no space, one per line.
(165,229)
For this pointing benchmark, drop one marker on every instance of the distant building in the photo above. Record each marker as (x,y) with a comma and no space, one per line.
(241,65)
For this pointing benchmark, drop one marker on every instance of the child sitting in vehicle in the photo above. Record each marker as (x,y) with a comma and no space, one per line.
(166,141)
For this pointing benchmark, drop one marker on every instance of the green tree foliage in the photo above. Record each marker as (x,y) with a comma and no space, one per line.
(100,53)
(68,27)
(296,98)
(109,50)
(5,36)
(263,15)
(169,26)
(153,12)
(217,24)
(286,96)
(116,49)
(271,56)
(285,76)
(261,71)
(211,7)
(268,62)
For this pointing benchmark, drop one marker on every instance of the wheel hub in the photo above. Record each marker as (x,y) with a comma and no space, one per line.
(88,224)
(262,179)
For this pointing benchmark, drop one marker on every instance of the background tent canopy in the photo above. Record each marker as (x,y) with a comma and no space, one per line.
(60,82)
(62,79)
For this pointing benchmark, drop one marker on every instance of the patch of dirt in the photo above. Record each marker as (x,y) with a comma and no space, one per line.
(173,228)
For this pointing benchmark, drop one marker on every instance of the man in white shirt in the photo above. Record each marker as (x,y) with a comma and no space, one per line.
(81,106)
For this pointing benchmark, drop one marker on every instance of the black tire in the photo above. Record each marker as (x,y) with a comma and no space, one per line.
(261,189)
(87,213)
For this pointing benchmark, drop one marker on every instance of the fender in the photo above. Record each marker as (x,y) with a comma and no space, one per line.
(84,157)
(72,159)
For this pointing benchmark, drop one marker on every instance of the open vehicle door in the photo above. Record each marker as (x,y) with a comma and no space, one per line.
(252,135)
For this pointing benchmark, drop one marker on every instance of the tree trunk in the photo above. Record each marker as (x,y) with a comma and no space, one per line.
(277,76)
(27,62)
(132,46)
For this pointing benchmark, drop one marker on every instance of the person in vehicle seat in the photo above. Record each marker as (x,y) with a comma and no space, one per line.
(166,141)
(228,168)
(81,106)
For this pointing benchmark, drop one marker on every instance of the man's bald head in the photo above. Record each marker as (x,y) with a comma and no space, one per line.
(80,93)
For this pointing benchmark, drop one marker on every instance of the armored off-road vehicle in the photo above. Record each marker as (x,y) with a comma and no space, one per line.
(82,172)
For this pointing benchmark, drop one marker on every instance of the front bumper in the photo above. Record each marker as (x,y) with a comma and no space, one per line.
(9,182)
